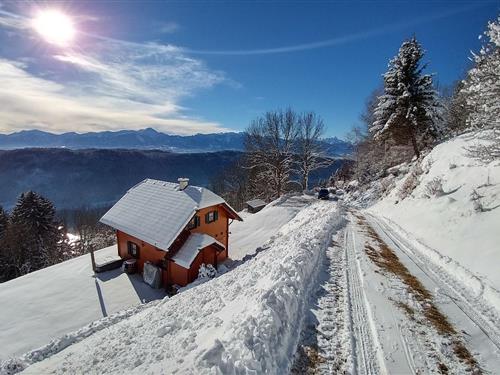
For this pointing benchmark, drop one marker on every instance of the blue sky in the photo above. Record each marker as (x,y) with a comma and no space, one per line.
(193,66)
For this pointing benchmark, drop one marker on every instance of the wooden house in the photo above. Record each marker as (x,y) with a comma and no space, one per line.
(175,226)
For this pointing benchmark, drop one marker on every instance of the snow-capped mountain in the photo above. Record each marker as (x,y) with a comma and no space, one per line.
(144,139)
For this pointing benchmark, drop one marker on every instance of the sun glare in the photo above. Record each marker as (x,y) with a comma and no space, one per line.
(54,26)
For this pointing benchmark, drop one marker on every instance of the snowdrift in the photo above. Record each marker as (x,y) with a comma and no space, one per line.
(452,213)
(245,321)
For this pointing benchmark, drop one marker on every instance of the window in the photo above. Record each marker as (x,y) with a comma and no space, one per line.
(211,216)
(133,249)
(194,223)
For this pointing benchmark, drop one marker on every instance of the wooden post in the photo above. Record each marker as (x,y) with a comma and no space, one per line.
(92,257)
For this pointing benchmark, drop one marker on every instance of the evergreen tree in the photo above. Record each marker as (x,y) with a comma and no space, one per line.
(456,111)
(4,221)
(409,109)
(34,236)
(482,91)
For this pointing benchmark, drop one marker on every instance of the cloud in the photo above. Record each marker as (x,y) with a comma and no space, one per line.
(38,103)
(108,85)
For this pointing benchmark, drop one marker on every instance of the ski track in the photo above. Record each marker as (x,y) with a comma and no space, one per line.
(472,311)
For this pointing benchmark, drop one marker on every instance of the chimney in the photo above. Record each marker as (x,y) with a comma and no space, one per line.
(183,182)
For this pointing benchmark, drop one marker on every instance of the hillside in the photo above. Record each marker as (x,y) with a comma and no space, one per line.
(407,285)
(75,178)
(112,295)
(438,208)
(453,213)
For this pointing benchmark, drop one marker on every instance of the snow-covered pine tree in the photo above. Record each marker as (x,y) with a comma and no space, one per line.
(482,90)
(35,233)
(409,109)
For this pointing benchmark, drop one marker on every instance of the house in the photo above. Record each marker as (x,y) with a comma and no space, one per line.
(255,205)
(175,226)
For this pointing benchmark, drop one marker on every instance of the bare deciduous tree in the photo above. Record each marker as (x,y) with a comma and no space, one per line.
(310,151)
(269,145)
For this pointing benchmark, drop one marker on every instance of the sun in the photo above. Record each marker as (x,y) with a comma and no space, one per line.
(54,26)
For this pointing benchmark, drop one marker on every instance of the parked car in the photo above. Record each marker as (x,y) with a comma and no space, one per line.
(323,194)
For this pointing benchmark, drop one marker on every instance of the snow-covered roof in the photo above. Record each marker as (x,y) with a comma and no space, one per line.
(195,242)
(157,211)
(255,203)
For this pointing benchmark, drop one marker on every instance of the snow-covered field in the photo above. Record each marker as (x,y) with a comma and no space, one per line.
(245,321)
(256,229)
(46,304)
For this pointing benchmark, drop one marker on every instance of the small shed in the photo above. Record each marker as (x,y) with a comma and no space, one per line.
(255,205)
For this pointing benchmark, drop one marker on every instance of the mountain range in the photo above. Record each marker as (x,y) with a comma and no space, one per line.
(144,139)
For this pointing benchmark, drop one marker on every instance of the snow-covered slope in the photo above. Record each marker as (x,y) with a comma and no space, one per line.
(449,225)
(48,303)
(245,321)
(256,229)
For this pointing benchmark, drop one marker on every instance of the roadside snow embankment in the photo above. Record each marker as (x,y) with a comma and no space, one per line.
(244,321)
(453,213)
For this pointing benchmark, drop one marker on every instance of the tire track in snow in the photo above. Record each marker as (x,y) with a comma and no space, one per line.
(456,294)
(369,357)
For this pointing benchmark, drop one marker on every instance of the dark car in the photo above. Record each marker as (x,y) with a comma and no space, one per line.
(323,194)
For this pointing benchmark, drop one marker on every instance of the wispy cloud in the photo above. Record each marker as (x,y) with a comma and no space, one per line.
(113,85)
(343,39)
(38,103)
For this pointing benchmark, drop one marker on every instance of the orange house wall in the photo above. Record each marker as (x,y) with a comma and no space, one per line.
(182,276)
(147,252)
(217,229)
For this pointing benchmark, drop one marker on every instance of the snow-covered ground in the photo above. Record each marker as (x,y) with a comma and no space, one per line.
(46,304)
(66,297)
(410,285)
(446,226)
(244,321)
(405,318)
(256,229)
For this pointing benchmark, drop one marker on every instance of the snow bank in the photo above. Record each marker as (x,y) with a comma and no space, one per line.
(245,321)
(445,222)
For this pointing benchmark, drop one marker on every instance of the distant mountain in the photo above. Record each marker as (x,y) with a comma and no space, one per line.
(337,146)
(99,177)
(141,139)
(137,139)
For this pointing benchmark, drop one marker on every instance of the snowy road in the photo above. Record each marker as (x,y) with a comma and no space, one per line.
(382,308)
(478,323)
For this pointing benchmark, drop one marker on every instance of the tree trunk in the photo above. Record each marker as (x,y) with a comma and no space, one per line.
(305,181)
(414,143)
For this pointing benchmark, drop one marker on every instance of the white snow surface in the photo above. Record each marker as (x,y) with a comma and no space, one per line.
(46,304)
(446,228)
(244,321)
(256,229)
